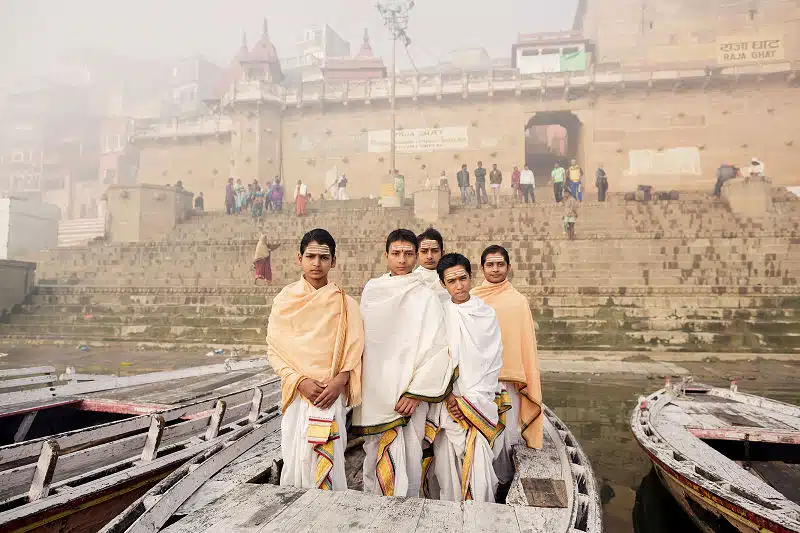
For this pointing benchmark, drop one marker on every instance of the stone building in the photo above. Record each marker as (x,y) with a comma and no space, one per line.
(670,90)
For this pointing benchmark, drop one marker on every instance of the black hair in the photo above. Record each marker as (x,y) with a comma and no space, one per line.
(320,236)
(431,234)
(495,249)
(450,261)
(402,235)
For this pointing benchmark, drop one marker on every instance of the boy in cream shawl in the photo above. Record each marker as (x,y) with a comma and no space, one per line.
(474,417)
(406,364)
(315,340)
(520,372)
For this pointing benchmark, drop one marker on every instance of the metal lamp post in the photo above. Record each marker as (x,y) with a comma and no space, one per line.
(395,17)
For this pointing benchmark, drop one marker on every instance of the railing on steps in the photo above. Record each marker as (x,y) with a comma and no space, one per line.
(80,231)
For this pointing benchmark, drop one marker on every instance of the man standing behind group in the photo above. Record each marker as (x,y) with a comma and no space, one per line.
(495,180)
(480,184)
(431,248)
(520,372)
(575,176)
(472,421)
(558,182)
(406,363)
(527,182)
(463,183)
(315,340)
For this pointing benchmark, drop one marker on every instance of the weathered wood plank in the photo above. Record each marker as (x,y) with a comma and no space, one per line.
(43,476)
(114,477)
(153,440)
(216,420)
(16,480)
(128,381)
(746,433)
(246,509)
(27,382)
(113,430)
(542,520)
(24,426)
(481,517)
(293,518)
(255,406)
(186,480)
(30,371)
(439,516)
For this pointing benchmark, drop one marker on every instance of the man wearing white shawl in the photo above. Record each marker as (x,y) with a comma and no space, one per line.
(474,417)
(431,248)
(406,364)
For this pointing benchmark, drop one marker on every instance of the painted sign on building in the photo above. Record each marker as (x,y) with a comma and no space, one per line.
(739,50)
(669,162)
(419,140)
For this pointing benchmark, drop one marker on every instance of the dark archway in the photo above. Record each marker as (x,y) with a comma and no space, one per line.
(550,137)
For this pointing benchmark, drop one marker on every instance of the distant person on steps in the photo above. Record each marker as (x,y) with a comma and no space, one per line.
(558,182)
(601,182)
(200,203)
(528,183)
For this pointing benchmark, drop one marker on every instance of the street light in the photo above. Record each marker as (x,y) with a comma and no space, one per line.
(395,17)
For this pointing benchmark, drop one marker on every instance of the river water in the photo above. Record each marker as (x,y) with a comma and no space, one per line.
(597,409)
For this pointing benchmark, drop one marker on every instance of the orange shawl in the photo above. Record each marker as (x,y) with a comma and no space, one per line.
(520,362)
(315,334)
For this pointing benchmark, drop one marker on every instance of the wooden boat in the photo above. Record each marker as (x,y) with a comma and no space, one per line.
(554,491)
(731,460)
(79,479)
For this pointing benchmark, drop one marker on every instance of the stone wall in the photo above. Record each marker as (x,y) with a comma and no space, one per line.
(16,283)
(141,213)
(631,33)
(672,140)
(26,226)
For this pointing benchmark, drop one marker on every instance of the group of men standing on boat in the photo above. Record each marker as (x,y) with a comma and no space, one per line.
(442,378)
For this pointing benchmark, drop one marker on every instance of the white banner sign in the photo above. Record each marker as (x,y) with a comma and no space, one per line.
(669,162)
(419,140)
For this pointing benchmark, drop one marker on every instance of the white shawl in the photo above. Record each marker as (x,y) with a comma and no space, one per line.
(430,278)
(405,351)
(476,348)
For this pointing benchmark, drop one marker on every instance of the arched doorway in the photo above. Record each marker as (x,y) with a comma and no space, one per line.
(550,137)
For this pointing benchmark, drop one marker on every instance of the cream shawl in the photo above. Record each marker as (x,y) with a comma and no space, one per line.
(315,334)
(405,353)
(262,249)
(520,362)
(476,347)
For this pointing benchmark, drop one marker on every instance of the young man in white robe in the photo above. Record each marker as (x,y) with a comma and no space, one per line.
(431,248)
(474,417)
(315,340)
(406,365)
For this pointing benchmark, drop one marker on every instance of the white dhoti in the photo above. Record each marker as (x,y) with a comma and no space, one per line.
(301,458)
(406,454)
(504,462)
(449,449)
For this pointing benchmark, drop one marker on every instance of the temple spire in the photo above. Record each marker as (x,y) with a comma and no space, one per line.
(244,42)
(366,48)
(266,28)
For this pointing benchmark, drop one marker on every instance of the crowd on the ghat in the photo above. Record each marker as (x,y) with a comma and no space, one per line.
(441,376)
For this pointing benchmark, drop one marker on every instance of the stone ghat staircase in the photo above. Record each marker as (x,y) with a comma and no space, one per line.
(684,275)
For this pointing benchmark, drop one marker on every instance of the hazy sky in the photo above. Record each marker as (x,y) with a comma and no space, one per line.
(37,34)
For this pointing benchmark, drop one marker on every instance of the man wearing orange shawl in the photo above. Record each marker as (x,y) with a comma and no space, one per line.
(315,340)
(520,372)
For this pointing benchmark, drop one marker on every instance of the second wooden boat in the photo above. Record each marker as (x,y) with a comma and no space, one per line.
(731,460)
